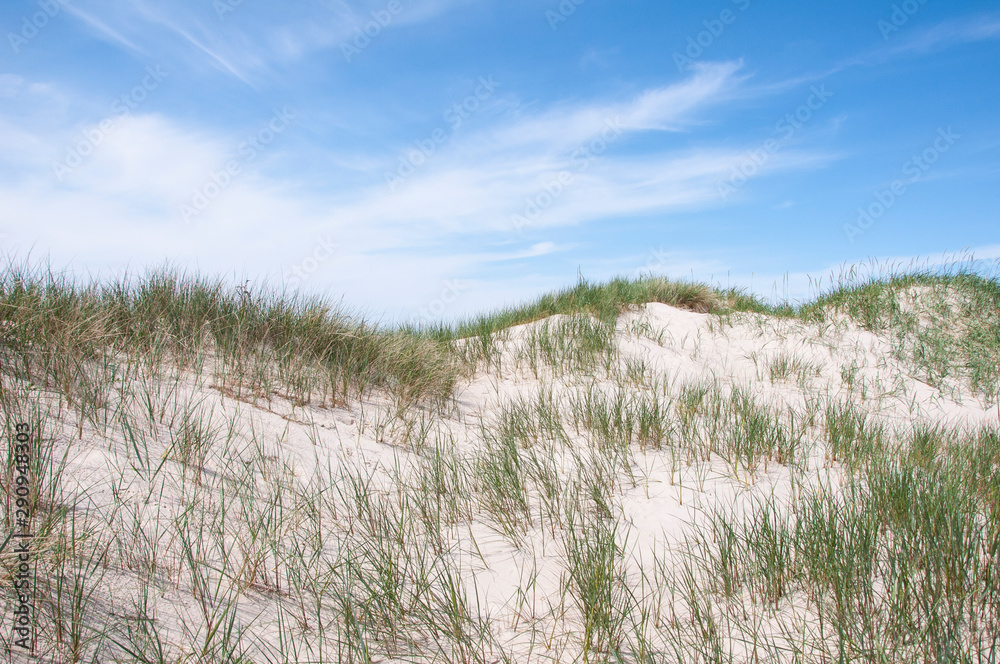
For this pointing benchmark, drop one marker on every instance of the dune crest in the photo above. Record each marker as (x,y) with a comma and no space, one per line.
(638,471)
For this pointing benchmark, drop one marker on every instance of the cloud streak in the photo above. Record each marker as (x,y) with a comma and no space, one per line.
(122,204)
(572,163)
(251,42)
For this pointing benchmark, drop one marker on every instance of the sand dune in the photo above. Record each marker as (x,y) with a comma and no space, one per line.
(649,488)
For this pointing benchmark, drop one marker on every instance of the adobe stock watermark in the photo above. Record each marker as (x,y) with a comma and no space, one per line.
(32,25)
(913,168)
(324,249)
(424,148)
(697,44)
(450,292)
(363,36)
(223,7)
(900,16)
(121,108)
(562,12)
(247,151)
(783,132)
(581,159)
(21,564)
(656,260)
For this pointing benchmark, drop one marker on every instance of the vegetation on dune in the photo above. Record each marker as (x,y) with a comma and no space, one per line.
(308,345)
(604,301)
(901,562)
(945,325)
(55,330)
(852,536)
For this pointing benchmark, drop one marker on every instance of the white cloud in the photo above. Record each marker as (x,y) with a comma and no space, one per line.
(571,164)
(946,34)
(121,205)
(249,41)
(102,30)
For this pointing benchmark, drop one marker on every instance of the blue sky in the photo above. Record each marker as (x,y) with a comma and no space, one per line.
(432,158)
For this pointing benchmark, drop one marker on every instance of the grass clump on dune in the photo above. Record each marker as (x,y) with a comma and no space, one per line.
(56,331)
(946,325)
(900,562)
(604,301)
(944,322)
(203,487)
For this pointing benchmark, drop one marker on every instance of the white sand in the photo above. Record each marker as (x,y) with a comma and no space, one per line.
(664,505)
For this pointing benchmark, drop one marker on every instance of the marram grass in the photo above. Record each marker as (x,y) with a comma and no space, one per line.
(235,474)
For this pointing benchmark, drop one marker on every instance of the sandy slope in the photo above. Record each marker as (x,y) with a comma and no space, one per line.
(660,502)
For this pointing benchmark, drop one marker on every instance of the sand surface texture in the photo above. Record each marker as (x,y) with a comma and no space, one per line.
(676,487)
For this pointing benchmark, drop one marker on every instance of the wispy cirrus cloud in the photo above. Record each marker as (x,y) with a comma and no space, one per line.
(965,30)
(592,147)
(102,30)
(124,199)
(476,183)
(912,41)
(249,41)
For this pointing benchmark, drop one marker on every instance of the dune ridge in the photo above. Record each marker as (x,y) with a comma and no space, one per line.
(639,471)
